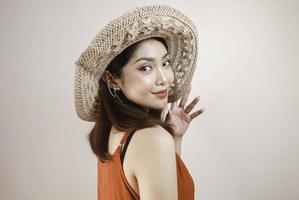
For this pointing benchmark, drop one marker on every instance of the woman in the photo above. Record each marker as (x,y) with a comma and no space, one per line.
(123,81)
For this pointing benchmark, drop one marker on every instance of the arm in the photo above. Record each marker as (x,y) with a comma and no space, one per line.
(155,164)
(178,142)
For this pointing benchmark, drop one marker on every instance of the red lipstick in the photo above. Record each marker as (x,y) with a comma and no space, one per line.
(161,94)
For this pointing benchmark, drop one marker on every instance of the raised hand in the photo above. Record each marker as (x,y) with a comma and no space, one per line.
(178,116)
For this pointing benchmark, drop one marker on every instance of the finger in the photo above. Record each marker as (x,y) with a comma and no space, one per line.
(168,115)
(192,104)
(174,104)
(185,98)
(171,106)
(195,114)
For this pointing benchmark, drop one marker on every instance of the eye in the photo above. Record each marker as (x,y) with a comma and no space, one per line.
(168,61)
(144,67)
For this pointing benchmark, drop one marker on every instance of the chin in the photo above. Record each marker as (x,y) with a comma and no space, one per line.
(159,107)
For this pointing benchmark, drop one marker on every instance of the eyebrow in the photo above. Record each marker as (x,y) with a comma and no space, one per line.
(148,58)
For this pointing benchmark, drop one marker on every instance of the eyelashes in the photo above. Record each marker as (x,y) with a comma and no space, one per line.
(148,65)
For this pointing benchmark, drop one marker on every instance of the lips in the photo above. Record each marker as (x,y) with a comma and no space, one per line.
(161,94)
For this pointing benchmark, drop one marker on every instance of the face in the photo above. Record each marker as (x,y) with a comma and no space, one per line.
(148,71)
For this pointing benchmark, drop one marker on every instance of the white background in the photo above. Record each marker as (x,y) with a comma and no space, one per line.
(245,146)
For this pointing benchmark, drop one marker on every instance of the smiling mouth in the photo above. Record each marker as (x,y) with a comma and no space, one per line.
(161,94)
(162,91)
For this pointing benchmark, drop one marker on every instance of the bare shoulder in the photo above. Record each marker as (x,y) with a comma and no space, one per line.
(153,140)
(154,136)
(155,163)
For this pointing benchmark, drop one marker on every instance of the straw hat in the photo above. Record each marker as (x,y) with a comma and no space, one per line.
(134,25)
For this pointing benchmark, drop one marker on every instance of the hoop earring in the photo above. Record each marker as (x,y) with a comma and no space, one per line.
(113,94)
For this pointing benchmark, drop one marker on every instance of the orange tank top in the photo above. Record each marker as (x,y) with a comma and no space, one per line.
(113,185)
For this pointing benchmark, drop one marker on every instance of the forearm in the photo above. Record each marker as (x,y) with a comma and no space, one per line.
(178,142)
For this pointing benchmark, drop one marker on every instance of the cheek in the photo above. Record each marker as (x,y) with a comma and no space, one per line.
(138,85)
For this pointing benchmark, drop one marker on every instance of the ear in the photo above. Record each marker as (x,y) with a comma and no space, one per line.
(113,82)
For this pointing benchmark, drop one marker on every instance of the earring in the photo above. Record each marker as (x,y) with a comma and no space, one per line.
(114,89)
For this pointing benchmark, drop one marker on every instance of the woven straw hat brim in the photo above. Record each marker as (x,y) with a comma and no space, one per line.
(134,25)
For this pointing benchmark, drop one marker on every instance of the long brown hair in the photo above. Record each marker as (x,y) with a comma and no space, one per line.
(124,116)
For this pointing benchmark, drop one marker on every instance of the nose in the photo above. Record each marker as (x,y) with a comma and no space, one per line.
(161,77)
